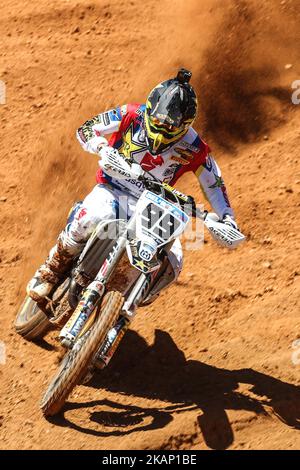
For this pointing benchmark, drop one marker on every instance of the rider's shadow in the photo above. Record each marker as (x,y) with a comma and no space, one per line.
(161,372)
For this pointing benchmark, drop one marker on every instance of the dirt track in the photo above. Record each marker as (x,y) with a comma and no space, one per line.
(217,368)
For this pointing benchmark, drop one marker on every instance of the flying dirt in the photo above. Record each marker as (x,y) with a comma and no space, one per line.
(220,357)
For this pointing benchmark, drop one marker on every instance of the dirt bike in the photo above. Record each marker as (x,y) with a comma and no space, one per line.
(119,270)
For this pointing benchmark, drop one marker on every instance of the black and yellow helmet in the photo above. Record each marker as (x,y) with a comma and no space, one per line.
(170,110)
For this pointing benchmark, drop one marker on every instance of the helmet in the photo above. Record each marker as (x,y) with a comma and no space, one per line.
(170,110)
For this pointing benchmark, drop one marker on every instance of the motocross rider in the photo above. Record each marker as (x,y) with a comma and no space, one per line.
(159,137)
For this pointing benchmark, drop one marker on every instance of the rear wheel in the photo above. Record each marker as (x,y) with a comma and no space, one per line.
(75,364)
(31,321)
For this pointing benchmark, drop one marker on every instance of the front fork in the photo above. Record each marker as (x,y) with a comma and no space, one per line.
(115,334)
(86,310)
(139,292)
(84,314)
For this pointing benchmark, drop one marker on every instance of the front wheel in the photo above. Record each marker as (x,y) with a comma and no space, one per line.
(31,321)
(75,364)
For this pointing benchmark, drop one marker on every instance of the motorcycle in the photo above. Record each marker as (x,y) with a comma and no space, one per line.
(117,271)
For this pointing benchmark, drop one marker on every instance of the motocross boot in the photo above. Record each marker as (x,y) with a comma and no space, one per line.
(51,272)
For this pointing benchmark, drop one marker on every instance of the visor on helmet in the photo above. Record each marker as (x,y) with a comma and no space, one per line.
(161,135)
(163,127)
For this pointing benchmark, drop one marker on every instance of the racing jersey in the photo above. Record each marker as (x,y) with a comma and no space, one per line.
(125,125)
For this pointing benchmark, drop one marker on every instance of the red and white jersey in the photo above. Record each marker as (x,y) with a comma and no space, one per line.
(125,124)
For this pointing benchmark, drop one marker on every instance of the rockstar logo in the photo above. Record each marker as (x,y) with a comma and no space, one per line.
(131,147)
(219,182)
(140,264)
